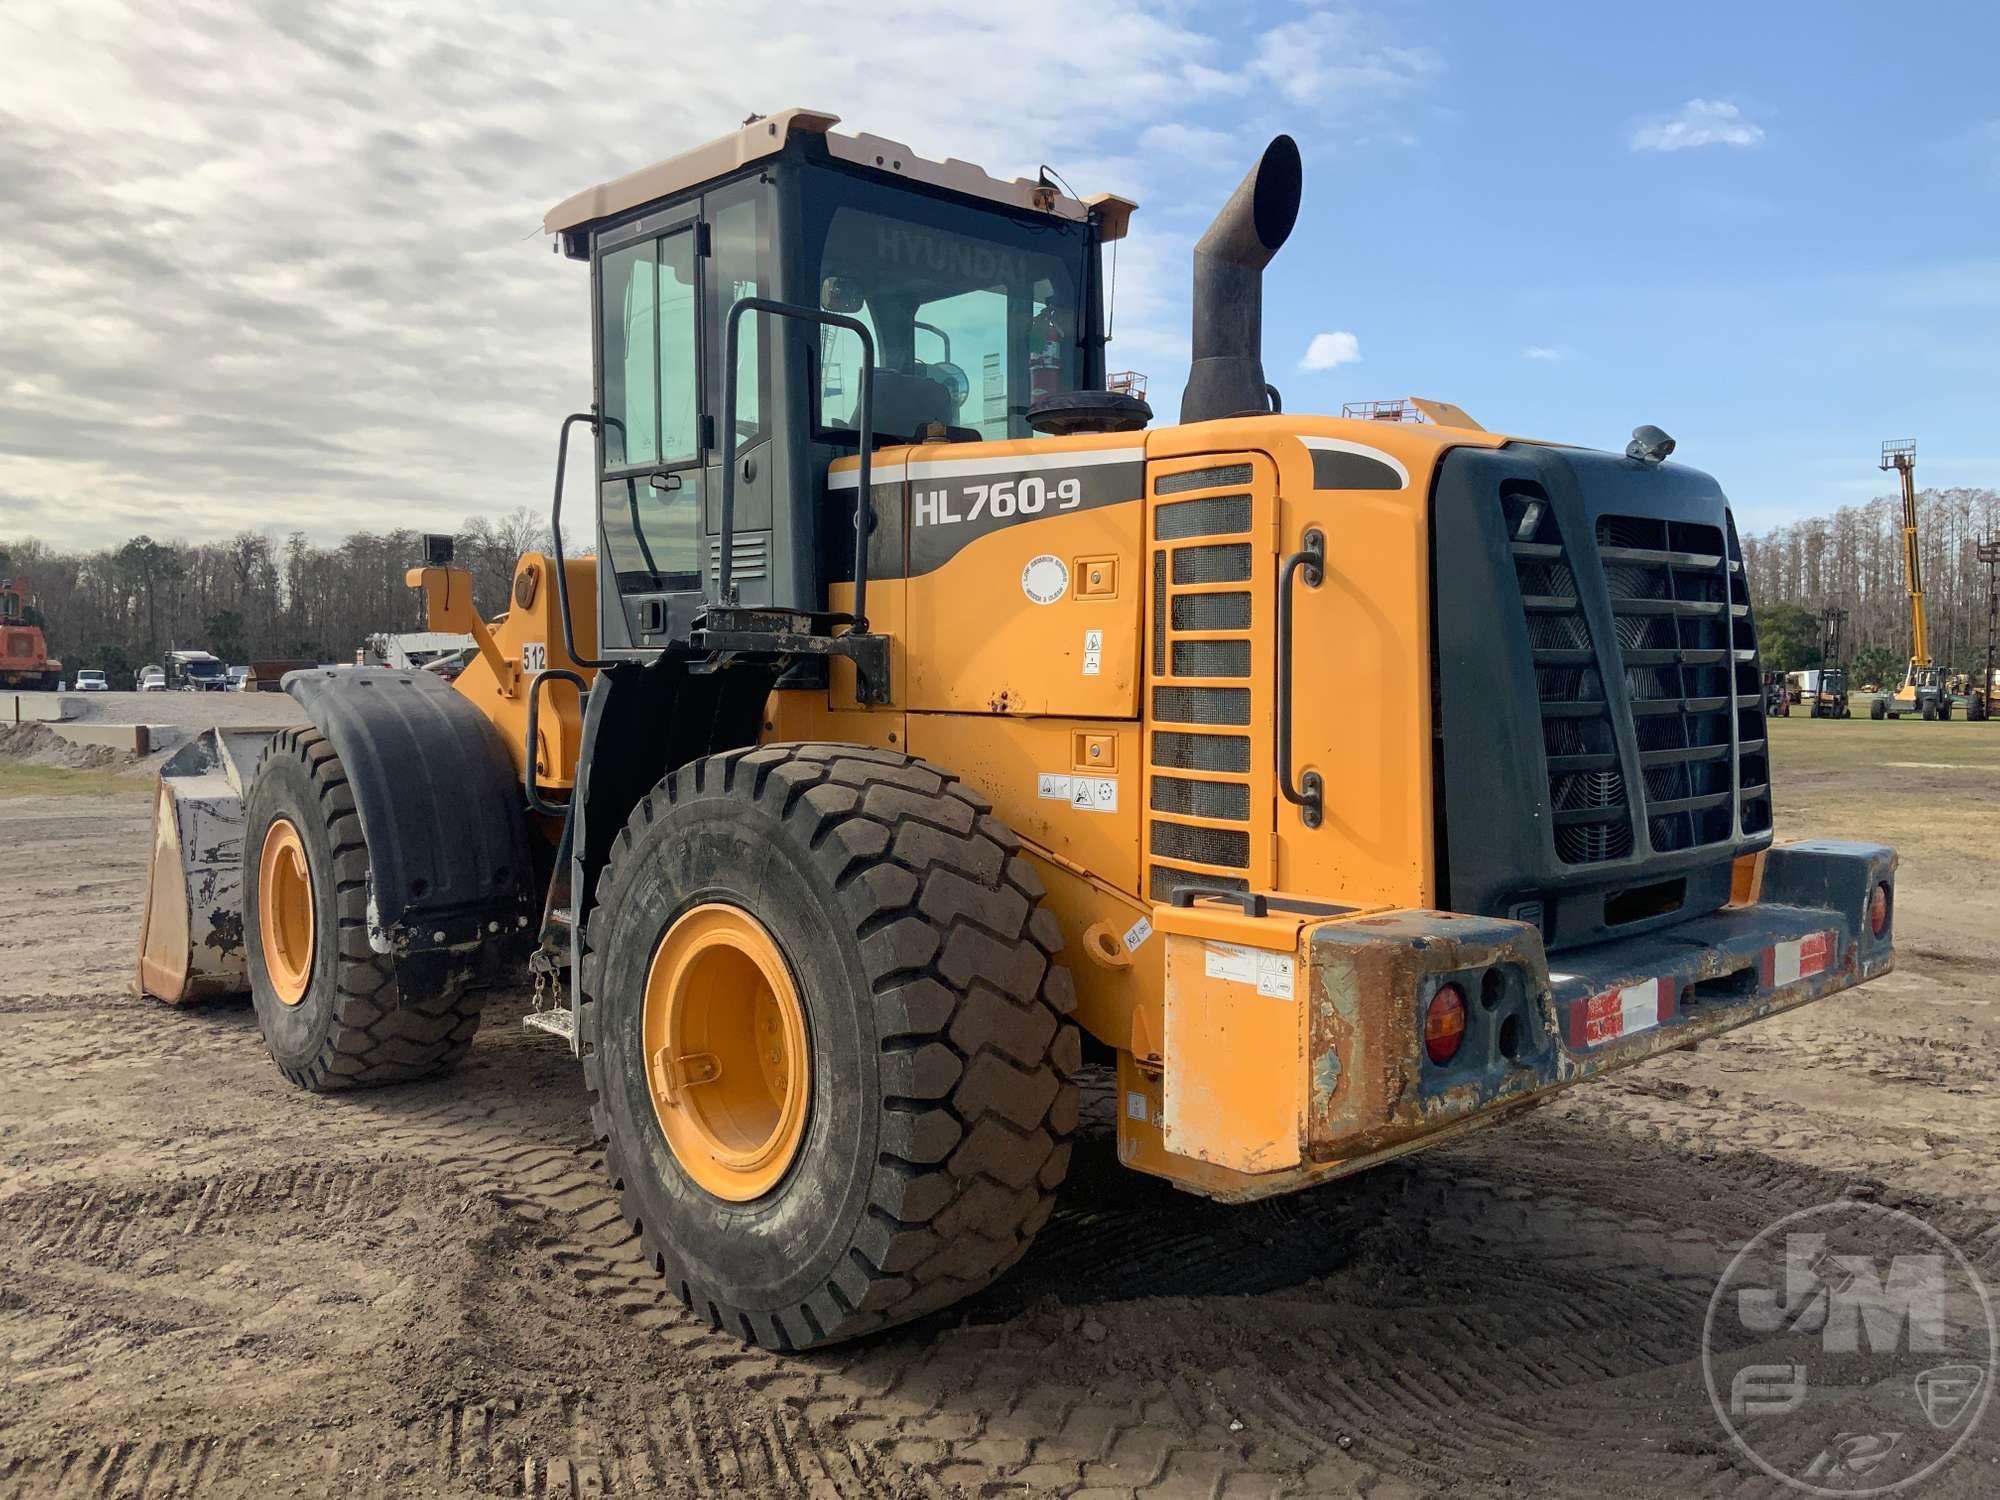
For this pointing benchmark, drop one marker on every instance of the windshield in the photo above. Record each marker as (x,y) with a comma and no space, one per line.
(974,312)
(203,669)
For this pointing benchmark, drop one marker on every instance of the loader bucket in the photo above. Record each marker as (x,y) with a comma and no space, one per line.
(191,943)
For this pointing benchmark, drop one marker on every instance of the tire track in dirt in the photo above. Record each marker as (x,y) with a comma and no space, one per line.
(1459,1317)
(564,1443)
(1556,1241)
(156,1469)
(110,1221)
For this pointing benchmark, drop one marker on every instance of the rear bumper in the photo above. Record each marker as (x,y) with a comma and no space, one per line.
(1533,1025)
(1367,1090)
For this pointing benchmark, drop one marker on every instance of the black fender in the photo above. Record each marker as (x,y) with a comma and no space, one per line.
(640,722)
(451,878)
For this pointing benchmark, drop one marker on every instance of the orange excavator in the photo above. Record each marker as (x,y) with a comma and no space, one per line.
(24,651)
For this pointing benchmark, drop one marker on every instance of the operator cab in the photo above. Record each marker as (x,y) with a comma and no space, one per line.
(977,297)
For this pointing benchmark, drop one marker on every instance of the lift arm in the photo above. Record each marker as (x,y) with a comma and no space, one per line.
(1913,570)
(1902,457)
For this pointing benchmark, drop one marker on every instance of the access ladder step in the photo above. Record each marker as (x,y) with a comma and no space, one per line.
(556,1022)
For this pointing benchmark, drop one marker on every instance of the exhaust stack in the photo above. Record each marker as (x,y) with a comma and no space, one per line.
(1227,375)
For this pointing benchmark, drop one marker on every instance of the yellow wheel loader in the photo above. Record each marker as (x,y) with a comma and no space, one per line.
(927,726)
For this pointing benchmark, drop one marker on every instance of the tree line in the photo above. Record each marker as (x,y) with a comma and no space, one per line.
(251,598)
(1853,561)
(255,598)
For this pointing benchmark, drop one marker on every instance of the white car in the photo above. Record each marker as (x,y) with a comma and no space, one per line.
(90,680)
(152,679)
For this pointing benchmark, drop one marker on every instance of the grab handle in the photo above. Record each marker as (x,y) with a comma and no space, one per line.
(1310,793)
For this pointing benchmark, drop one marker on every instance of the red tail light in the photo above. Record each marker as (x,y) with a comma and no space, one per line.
(1878,909)
(1444,1024)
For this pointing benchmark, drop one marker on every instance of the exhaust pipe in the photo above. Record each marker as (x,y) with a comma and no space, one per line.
(1227,375)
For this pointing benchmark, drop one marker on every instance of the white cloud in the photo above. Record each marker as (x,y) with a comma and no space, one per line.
(1541,351)
(1330,350)
(1198,145)
(1340,55)
(1699,122)
(280,267)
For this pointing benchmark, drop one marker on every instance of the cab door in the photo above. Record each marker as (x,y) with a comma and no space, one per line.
(650,441)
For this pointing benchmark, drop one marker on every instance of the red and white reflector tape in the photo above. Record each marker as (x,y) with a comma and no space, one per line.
(1625,1011)
(1801,958)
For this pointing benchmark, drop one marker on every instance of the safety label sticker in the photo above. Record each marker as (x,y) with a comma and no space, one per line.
(1093,653)
(1271,973)
(1094,793)
(1136,935)
(1082,793)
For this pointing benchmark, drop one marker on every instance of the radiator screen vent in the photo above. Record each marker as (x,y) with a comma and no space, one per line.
(1208,797)
(1211,659)
(1211,612)
(1224,563)
(1201,752)
(1226,515)
(1205,846)
(1190,705)
(1201,799)
(1221,477)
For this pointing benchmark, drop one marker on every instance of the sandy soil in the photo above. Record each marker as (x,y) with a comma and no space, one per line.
(214,1284)
(195,710)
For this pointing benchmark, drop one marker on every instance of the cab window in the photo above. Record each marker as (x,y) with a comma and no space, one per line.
(649,317)
(973,312)
(740,266)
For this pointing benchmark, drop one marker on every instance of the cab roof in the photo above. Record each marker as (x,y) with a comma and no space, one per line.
(766,135)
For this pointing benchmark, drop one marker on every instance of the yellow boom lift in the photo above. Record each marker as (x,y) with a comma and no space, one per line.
(1923,687)
(927,727)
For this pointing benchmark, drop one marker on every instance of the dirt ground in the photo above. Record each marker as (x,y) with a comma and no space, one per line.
(214,1284)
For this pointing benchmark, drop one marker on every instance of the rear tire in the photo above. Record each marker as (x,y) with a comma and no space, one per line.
(940,1055)
(350,1023)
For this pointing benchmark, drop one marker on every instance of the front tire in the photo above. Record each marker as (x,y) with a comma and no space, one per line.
(329,1006)
(879,896)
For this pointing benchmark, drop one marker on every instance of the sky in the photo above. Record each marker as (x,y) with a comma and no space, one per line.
(278,265)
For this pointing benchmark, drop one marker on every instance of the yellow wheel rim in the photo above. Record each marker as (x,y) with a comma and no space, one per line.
(285,911)
(726,1056)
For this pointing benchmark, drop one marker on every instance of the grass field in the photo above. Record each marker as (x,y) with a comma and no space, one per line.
(19,778)
(1931,790)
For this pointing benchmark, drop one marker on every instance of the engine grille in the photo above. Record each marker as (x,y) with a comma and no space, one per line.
(1206,701)
(1684,656)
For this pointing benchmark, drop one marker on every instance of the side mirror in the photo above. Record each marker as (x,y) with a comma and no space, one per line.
(841,294)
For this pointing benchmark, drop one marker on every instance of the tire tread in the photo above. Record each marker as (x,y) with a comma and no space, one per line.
(977,1050)
(379,1035)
